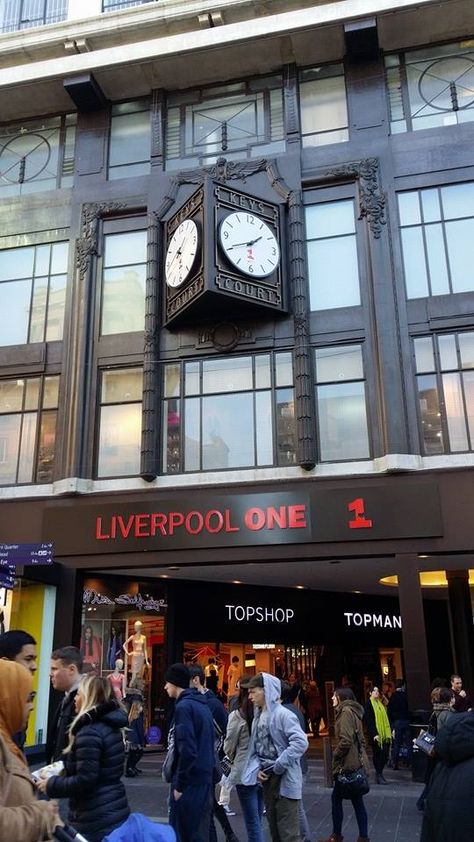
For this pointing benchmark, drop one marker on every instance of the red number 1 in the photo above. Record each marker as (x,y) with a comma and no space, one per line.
(360,521)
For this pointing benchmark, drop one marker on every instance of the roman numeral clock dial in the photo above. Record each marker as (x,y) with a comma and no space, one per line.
(249,244)
(181,253)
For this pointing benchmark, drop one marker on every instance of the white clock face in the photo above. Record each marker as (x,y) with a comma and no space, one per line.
(250,244)
(181,253)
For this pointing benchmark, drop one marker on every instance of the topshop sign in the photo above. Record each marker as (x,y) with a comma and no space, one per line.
(258,614)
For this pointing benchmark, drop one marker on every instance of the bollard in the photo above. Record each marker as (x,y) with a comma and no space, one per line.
(327,759)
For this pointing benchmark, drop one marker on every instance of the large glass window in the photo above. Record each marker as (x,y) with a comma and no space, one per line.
(342,404)
(239,120)
(130,139)
(28,411)
(323,105)
(115,5)
(23,14)
(123,282)
(437,231)
(445,380)
(332,255)
(32,293)
(431,87)
(37,155)
(235,412)
(120,423)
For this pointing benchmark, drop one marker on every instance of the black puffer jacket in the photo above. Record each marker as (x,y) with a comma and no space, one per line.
(94,767)
(449,816)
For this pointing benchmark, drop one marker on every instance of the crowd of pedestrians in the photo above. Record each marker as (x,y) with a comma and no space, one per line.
(255,744)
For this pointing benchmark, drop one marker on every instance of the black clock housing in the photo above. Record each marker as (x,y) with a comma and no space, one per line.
(216,289)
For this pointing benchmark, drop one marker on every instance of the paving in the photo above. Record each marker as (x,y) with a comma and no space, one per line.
(393,816)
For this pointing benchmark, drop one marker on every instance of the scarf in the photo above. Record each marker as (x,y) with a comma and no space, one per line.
(381,721)
(16,684)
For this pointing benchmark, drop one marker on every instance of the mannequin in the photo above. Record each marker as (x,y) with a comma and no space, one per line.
(139,654)
(117,680)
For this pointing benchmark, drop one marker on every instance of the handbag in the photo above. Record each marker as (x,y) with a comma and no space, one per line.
(425,742)
(226,765)
(353,783)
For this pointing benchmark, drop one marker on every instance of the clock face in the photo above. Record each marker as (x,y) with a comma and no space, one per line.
(250,244)
(181,253)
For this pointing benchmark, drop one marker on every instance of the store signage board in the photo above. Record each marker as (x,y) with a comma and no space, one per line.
(25,554)
(378,511)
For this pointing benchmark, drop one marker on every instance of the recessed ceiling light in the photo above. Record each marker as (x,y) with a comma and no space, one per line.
(423,555)
(301,587)
(428,579)
(164,576)
(356,591)
(174,567)
(236,582)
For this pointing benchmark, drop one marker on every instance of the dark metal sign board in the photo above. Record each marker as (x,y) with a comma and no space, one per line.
(25,554)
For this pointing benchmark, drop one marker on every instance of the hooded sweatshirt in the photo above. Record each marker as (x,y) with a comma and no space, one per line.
(288,739)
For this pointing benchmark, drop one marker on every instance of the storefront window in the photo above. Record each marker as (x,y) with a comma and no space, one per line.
(120,423)
(437,230)
(235,412)
(123,282)
(28,414)
(341,403)
(30,606)
(445,382)
(130,139)
(122,638)
(33,283)
(332,255)
(323,105)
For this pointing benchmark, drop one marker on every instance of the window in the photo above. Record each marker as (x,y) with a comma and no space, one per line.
(32,293)
(114,5)
(37,155)
(323,105)
(130,139)
(437,231)
(445,380)
(120,423)
(239,120)
(23,14)
(236,412)
(341,403)
(332,255)
(431,87)
(123,282)
(28,410)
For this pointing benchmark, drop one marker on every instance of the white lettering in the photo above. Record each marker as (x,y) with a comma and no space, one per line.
(250,612)
(259,613)
(377,618)
(357,619)
(289,614)
(381,621)
(279,613)
(269,614)
(387,622)
(348,615)
(397,622)
(241,610)
(230,607)
(367,619)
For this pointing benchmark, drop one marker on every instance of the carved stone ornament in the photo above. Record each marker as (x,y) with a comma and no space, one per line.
(371,196)
(87,243)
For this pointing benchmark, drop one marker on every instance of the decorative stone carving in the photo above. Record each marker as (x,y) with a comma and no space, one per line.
(371,196)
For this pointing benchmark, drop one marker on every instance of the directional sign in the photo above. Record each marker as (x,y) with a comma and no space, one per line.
(7,577)
(25,554)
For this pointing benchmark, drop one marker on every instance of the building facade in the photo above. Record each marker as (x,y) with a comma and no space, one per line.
(237,339)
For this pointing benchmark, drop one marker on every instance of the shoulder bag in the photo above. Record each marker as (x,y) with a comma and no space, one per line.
(425,742)
(352,784)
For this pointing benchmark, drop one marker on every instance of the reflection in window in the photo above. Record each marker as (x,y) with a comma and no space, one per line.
(236,412)
(239,120)
(130,139)
(28,414)
(37,155)
(323,105)
(437,231)
(120,423)
(23,14)
(445,380)
(123,282)
(332,255)
(32,293)
(431,87)
(342,404)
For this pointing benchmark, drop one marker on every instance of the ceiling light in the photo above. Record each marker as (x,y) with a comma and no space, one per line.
(236,582)
(164,576)
(174,567)
(428,579)
(301,587)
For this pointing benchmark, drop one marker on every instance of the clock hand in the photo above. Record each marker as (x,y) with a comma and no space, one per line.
(251,243)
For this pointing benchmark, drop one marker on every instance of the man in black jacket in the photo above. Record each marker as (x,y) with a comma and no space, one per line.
(65,673)
(399,716)
(193,758)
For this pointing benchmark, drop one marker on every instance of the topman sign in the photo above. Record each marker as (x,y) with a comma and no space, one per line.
(209,519)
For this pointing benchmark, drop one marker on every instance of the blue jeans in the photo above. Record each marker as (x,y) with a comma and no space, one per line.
(251,801)
(338,814)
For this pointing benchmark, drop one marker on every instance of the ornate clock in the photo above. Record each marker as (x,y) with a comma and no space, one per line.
(223,257)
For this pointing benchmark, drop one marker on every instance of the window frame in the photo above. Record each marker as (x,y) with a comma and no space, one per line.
(346,128)
(46,18)
(100,404)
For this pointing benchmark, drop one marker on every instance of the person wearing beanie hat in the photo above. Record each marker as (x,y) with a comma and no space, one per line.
(189,765)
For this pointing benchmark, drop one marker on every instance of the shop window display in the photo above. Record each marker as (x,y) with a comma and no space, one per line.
(122,637)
